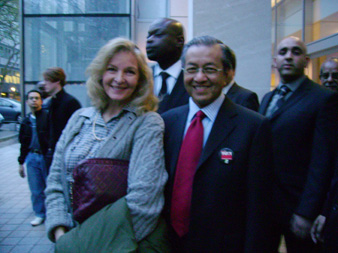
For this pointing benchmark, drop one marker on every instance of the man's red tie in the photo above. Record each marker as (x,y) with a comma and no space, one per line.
(189,156)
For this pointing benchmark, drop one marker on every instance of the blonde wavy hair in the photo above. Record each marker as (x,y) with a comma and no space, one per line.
(143,97)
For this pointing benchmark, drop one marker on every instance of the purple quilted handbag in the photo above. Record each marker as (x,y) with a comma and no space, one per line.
(97,183)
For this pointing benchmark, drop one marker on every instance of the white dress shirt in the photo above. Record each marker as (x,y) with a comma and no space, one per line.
(174,71)
(210,111)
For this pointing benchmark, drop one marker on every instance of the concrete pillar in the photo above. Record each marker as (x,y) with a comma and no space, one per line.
(245,26)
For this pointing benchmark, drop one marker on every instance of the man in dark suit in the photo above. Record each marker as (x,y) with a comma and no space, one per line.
(61,107)
(325,227)
(236,93)
(218,156)
(165,42)
(303,118)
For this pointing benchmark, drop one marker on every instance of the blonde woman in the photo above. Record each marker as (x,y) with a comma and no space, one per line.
(121,124)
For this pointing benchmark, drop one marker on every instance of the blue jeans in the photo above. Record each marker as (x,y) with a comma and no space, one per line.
(37,175)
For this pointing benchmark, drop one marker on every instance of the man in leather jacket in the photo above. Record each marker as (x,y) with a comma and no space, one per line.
(34,145)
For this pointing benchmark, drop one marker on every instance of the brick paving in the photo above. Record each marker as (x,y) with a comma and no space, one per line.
(16,233)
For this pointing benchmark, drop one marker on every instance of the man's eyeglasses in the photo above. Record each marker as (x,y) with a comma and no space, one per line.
(206,70)
(327,75)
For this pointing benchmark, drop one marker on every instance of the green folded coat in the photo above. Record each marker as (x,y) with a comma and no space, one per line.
(111,230)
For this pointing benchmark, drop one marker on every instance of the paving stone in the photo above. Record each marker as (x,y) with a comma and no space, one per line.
(29,240)
(8,227)
(16,233)
(6,248)
(42,249)
(22,249)
(11,241)
(4,234)
(15,221)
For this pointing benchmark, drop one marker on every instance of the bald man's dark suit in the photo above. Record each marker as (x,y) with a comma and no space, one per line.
(230,202)
(177,97)
(330,232)
(304,131)
(244,97)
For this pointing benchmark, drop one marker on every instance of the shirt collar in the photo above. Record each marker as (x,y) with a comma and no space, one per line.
(91,112)
(174,70)
(210,110)
(228,87)
(58,95)
(293,85)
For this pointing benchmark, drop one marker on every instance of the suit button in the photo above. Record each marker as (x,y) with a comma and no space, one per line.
(335,207)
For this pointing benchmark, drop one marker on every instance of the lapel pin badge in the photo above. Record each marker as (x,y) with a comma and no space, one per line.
(227,155)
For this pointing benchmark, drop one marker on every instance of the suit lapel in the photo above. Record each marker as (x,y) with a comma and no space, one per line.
(224,124)
(176,142)
(232,91)
(175,95)
(293,99)
(178,85)
(265,103)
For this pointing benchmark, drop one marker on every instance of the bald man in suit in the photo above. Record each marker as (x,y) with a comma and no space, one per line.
(165,42)
(304,121)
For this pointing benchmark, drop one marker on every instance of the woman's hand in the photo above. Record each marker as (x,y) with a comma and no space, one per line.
(59,231)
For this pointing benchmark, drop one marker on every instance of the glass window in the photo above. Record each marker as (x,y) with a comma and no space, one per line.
(68,42)
(321,19)
(289,19)
(76,6)
(149,9)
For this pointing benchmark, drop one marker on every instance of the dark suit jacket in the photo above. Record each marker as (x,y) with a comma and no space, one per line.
(304,133)
(331,213)
(62,106)
(230,202)
(177,97)
(244,97)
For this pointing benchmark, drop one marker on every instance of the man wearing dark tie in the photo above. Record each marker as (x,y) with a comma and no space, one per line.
(236,93)
(218,156)
(303,118)
(165,42)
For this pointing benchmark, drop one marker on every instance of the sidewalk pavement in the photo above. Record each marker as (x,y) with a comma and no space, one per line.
(16,233)
(8,134)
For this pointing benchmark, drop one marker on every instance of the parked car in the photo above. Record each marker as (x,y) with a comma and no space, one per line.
(2,119)
(10,110)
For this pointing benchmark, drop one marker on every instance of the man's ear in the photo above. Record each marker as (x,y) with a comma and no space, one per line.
(274,64)
(229,76)
(307,61)
(226,78)
(180,40)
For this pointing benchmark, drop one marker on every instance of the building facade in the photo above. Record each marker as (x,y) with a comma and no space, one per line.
(68,33)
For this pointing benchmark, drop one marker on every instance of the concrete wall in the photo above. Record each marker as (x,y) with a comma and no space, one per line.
(245,26)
